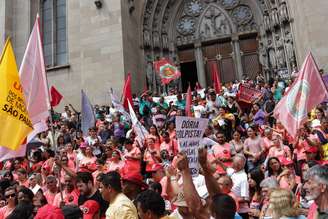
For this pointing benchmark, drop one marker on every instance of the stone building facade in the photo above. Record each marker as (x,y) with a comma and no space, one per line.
(93,44)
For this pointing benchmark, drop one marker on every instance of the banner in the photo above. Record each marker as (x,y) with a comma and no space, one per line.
(190,132)
(14,118)
(248,94)
(166,70)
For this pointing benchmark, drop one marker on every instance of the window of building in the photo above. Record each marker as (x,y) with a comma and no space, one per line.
(54,32)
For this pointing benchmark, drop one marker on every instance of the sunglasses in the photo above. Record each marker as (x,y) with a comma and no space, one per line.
(10,196)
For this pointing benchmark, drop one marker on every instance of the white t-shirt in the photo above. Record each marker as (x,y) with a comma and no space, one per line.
(240,187)
(198,111)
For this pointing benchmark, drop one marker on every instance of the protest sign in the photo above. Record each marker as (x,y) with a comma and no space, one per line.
(248,94)
(190,131)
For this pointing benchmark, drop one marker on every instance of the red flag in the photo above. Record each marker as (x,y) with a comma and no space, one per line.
(56,97)
(197,86)
(215,77)
(166,70)
(305,93)
(127,93)
(188,102)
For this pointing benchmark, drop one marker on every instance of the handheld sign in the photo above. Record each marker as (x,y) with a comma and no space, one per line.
(190,131)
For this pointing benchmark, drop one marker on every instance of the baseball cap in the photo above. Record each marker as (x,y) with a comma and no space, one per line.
(49,212)
(311,149)
(286,161)
(135,178)
(89,209)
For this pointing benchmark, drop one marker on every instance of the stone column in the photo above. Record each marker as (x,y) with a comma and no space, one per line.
(200,64)
(237,57)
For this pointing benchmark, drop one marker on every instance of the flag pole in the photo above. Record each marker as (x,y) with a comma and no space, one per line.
(52,131)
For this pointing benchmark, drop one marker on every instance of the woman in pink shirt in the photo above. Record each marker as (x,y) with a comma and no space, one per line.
(171,130)
(71,154)
(11,199)
(151,155)
(115,163)
(153,133)
(279,150)
(88,162)
(253,148)
(169,144)
(101,168)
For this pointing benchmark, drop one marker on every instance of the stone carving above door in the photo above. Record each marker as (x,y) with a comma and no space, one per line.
(186,25)
(194,8)
(214,24)
(229,4)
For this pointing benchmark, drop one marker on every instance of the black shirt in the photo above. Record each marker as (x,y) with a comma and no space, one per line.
(96,197)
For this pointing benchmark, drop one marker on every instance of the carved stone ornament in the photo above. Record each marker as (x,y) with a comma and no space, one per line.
(229,4)
(186,26)
(214,23)
(242,14)
(194,8)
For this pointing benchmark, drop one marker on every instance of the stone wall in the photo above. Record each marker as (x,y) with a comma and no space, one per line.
(133,57)
(310,30)
(95,52)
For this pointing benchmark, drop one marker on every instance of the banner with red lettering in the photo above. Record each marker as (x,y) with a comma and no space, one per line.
(248,94)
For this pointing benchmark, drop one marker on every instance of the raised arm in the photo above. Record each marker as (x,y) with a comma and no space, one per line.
(211,183)
(191,196)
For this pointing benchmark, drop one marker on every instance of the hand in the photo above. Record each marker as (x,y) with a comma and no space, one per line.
(182,162)
(57,161)
(170,171)
(202,157)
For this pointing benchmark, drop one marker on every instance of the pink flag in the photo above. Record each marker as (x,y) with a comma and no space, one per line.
(306,92)
(188,102)
(33,78)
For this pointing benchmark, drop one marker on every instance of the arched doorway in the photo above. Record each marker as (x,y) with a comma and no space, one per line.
(236,35)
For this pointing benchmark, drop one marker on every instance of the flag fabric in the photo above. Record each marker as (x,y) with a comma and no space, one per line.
(139,129)
(88,119)
(127,93)
(34,84)
(216,77)
(188,102)
(166,70)
(14,119)
(118,105)
(306,92)
(56,97)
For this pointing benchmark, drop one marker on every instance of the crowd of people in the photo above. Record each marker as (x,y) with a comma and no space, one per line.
(250,167)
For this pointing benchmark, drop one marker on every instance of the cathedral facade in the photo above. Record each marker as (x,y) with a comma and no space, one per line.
(92,45)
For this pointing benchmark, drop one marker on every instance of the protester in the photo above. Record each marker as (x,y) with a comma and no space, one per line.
(248,160)
(120,206)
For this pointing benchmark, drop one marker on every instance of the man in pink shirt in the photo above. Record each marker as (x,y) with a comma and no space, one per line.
(52,189)
(70,193)
(316,188)
(222,151)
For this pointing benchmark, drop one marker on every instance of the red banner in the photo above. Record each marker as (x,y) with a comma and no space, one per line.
(248,94)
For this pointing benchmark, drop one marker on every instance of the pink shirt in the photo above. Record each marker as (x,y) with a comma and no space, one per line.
(111,166)
(279,152)
(254,145)
(135,151)
(171,147)
(5,211)
(267,143)
(68,198)
(50,197)
(312,211)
